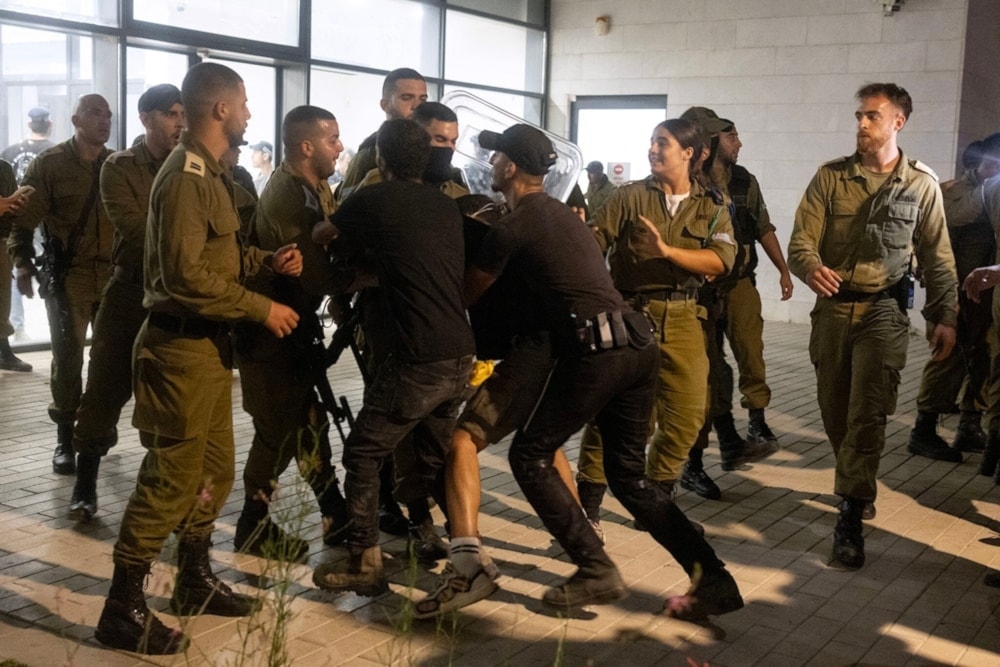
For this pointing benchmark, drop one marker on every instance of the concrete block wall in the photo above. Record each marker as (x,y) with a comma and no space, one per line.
(785,71)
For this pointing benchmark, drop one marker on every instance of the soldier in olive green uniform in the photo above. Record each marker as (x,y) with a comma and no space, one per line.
(78,236)
(973,243)
(858,223)
(8,209)
(126,179)
(194,269)
(600,186)
(279,376)
(698,232)
(402,91)
(733,306)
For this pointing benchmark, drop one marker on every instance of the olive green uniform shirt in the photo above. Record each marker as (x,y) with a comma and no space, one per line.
(195,263)
(62,182)
(758,223)
(126,181)
(597,195)
(363,162)
(699,223)
(286,213)
(867,233)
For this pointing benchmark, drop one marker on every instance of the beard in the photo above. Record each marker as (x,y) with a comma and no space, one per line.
(871,144)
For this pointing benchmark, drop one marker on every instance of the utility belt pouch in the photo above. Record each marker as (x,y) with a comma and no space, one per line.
(604,331)
(902,292)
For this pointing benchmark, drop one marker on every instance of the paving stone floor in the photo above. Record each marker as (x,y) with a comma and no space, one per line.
(920,599)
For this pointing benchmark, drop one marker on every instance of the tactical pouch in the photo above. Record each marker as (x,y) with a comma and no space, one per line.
(604,331)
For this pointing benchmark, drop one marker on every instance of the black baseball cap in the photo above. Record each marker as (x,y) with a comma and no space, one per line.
(160,97)
(263,147)
(526,146)
(595,167)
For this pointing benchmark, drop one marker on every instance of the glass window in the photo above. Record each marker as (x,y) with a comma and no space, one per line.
(529,11)
(353,98)
(382,34)
(48,70)
(260,82)
(102,12)
(275,21)
(147,67)
(505,55)
(528,108)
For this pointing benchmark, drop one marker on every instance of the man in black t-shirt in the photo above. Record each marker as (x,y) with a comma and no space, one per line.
(413,234)
(605,371)
(22,153)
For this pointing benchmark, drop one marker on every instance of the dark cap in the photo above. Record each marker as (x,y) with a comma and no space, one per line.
(263,147)
(37,114)
(526,146)
(595,167)
(708,122)
(159,98)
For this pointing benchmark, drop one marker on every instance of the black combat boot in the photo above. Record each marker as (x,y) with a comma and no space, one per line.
(848,540)
(83,503)
(9,362)
(737,452)
(64,459)
(694,478)
(257,535)
(925,441)
(423,541)
(991,455)
(199,591)
(969,436)
(757,429)
(714,594)
(127,623)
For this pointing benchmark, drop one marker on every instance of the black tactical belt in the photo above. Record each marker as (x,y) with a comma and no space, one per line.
(662,295)
(851,296)
(193,327)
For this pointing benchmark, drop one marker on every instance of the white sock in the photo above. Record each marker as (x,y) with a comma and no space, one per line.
(465,556)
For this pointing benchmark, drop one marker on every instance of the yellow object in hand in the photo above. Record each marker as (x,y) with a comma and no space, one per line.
(481,370)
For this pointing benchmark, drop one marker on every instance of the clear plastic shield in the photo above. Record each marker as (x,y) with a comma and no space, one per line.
(476,115)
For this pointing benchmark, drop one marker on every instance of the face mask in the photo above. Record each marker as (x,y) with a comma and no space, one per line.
(439,166)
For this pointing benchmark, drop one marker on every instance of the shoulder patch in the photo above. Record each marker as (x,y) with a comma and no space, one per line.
(834,161)
(312,203)
(194,163)
(114,157)
(920,166)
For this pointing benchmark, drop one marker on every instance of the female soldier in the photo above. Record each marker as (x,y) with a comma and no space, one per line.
(664,236)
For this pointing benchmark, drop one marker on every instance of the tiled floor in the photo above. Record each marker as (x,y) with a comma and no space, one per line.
(920,599)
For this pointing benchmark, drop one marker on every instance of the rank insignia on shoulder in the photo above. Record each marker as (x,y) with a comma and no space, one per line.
(114,157)
(194,163)
(920,166)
